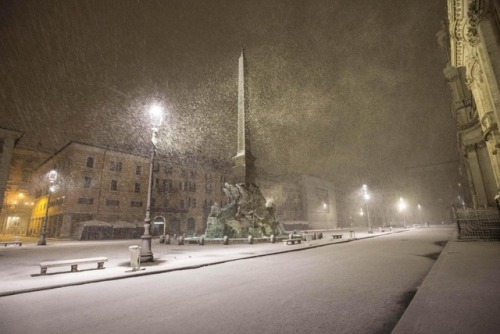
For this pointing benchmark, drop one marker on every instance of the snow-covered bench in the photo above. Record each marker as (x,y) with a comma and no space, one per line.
(292,241)
(15,243)
(73,263)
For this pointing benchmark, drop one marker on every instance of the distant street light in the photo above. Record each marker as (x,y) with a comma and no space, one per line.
(156,114)
(52,178)
(402,209)
(366,197)
(420,213)
(325,207)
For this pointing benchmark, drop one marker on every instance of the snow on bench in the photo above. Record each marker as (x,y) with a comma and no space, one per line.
(73,263)
(292,241)
(6,243)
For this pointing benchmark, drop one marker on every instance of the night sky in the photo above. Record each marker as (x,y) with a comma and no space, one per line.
(352,91)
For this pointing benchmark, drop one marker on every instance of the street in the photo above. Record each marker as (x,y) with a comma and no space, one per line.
(355,287)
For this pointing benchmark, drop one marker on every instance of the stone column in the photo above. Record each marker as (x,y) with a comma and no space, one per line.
(475,172)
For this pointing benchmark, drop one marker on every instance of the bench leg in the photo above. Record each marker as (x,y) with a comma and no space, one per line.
(100,265)
(43,271)
(74,267)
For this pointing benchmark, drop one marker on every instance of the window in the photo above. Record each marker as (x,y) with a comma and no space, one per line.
(87,182)
(137,187)
(90,162)
(112,202)
(138,170)
(115,166)
(84,200)
(192,187)
(136,203)
(193,202)
(114,185)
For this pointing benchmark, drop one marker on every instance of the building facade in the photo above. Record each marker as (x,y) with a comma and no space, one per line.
(19,196)
(105,187)
(471,41)
(99,184)
(8,140)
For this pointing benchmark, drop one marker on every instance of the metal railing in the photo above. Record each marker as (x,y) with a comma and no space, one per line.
(481,223)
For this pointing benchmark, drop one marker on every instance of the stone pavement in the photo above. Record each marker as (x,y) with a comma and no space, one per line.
(20,270)
(461,293)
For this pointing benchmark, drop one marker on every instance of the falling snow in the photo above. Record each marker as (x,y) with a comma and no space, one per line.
(343,90)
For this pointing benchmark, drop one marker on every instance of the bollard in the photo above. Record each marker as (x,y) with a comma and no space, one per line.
(272,239)
(352,235)
(162,239)
(201,241)
(180,240)
(250,239)
(135,257)
(225,240)
(308,238)
(167,239)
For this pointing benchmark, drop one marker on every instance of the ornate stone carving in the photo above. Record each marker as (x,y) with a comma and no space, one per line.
(245,214)
(474,73)
(474,16)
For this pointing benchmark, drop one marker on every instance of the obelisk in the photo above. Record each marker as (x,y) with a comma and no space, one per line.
(243,162)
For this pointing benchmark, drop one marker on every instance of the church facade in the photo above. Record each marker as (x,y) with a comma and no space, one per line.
(471,42)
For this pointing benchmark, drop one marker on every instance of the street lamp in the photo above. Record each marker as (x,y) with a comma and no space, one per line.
(325,207)
(420,213)
(156,114)
(402,208)
(366,197)
(52,178)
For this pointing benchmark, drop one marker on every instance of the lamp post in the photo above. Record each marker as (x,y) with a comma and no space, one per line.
(156,114)
(366,197)
(52,178)
(325,207)
(402,208)
(420,213)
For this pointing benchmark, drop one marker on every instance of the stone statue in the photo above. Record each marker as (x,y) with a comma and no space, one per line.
(246,214)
